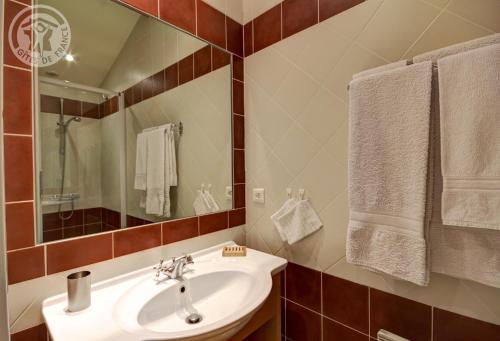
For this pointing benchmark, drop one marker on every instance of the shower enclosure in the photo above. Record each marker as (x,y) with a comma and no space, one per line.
(82,190)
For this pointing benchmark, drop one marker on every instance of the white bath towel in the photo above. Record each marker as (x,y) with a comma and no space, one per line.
(469,87)
(155,175)
(141,162)
(171,157)
(170,166)
(472,254)
(297,221)
(388,165)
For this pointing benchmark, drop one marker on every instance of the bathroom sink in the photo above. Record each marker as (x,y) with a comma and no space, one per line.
(224,293)
(213,300)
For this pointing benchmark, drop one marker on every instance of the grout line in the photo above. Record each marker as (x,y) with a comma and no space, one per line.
(425,31)
(16,67)
(225,32)
(302,306)
(196,17)
(345,325)
(19,202)
(432,323)
(281,22)
(20,3)
(321,298)
(46,265)
(369,312)
(18,135)
(24,248)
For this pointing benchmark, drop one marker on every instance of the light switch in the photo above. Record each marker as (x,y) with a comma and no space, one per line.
(259,195)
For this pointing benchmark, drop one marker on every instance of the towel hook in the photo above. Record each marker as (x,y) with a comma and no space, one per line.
(302,193)
(289,193)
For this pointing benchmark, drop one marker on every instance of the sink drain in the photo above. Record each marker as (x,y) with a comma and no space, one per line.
(193,318)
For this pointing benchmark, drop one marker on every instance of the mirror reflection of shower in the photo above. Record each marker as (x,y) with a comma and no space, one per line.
(63,132)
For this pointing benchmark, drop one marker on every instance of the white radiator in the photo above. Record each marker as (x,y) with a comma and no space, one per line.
(384,335)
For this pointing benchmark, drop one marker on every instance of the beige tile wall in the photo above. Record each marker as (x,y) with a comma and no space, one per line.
(296,130)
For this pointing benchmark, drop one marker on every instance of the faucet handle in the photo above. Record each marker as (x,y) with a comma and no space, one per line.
(158,268)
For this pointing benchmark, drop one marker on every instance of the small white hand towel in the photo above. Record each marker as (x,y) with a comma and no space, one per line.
(200,204)
(214,207)
(469,96)
(141,162)
(299,222)
(287,206)
(155,175)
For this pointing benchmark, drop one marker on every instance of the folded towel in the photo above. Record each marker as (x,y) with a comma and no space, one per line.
(298,221)
(469,87)
(287,207)
(155,175)
(379,69)
(388,166)
(141,162)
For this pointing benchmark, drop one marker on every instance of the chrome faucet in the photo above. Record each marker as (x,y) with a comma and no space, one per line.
(173,269)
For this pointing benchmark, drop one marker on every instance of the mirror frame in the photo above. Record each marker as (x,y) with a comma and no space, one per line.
(28,260)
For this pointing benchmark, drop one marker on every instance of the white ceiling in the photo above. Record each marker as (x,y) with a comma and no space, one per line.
(99,29)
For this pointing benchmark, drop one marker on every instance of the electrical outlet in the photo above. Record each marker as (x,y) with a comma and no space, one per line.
(259,195)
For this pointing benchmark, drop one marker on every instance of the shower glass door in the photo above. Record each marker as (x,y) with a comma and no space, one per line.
(79,165)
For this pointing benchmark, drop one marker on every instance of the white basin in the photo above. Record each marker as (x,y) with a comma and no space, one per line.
(226,292)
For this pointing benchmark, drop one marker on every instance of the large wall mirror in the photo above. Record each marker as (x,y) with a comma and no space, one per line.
(132,125)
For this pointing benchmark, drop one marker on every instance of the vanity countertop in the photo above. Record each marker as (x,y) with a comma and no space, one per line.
(109,318)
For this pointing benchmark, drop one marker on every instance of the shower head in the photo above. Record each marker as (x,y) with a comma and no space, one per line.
(76,119)
(65,124)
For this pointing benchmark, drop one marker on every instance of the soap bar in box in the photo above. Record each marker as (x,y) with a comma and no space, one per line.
(234,251)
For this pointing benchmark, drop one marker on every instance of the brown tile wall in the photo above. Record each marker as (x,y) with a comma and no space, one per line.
(196,17)
(51,104)
(287,18)
(318,306)
(197,64)
(84,222)
(25,260)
